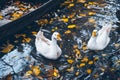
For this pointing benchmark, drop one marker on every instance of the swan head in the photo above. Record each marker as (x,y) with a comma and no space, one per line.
(56,36)
(94,33)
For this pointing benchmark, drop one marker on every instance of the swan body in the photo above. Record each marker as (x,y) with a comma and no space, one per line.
(48,48)
(100,39)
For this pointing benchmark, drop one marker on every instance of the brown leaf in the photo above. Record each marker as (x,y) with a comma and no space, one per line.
(7,48)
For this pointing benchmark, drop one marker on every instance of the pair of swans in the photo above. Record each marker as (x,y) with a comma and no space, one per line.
(50,49)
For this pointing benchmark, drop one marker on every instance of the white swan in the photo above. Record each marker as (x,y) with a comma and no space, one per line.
(48,48)
(100,39)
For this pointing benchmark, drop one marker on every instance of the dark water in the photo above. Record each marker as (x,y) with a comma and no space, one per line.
(106,67)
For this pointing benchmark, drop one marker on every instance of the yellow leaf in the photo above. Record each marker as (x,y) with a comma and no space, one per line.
(81,1)
(67,32)
(70,61)
(34,33)
(72,15)
(85,59)
(91,20)
(117,45)
(65,20)
(102,69)
(28,73)
(83,15)
(82,64)
(70,69)
(90,62)
(71,5)
(1,17)
(27,40)
(96,58)
(7,48)
(77,73)
(71,26)
(75,46)
(55,72)
(89,71)
(36,70)
(91,13)
(20,35)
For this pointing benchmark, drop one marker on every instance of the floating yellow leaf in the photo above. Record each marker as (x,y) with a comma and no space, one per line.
(75,46)
(71,26)
(91,13)
(82,15)
(56,73)
(1,17)
(67,32)
(81,1)
(96,58)
(77,52)
(7,48)
(82,64)
(42,21)
(72,15)
(27,40)
(102,69)
(70,69)
(36,70)
(71,5)
(28,73)
(85,59)
(70,61)
(91,20)
(77,73)
(89,71)
(117,45)
(34,33)
(65,20)
(23,9)
(20,35)
(90,62)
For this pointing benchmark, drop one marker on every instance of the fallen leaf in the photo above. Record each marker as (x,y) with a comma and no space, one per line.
(70,69)
(27,40)
(89,71)
(82,15)
(71,26)
(1,17)
(71,5)
(90,62)
(35,70)
(56,73)
(75,46)
(65,20)
(81,1)
(34,33)
(77,73)
(82,64)
(85,59)
(70,61)
(28,73)
(91,20)
(91,13)
(67,32)
(7,48)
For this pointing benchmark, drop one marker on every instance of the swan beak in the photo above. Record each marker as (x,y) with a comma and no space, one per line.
(94,33)
(59,37)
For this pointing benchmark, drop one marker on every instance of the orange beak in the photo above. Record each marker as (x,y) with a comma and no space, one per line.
(59,37)
(94,33)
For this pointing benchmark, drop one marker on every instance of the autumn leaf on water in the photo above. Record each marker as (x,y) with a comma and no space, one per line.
(20,35)
(34,33)
(85,59)
(89,71)
(91,13)
(65,20)
(70,61)
(7,48)
(28,73)
(91,20)
(82,15)
(70,5)
(1,17)
(67,32)
(90,62)
(56,73)
(71,26)
(81,1)
(27,40)
(82,64)
(35,70)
